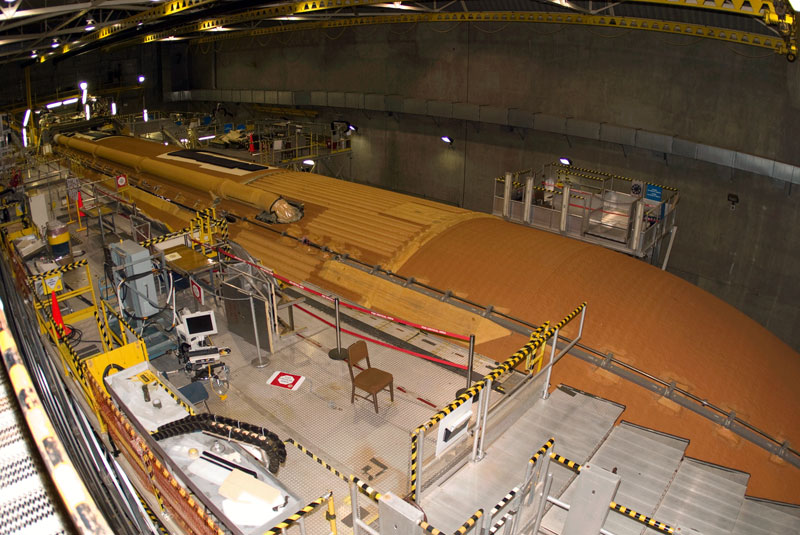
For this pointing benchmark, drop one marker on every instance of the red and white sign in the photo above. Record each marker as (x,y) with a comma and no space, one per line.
(122,181)
(197,291)
(285,380)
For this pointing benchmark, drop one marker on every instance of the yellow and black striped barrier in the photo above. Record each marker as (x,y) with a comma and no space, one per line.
(175,397)
(571,316)
(59,270)
(566,462)
(462,529)
(646,520)
(541,451)
(467,525)
(612,175)
(360,483)
(292,519)
(101,326)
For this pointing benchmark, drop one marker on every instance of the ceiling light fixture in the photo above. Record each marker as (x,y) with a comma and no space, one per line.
(55,43)
(89,24)
(205,138)
(34,54)
(144,115)
(447,139)
(565,161)
(308,162)
(113,108)
(141,78)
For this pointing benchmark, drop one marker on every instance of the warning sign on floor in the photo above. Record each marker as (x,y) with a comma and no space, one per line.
(289,381)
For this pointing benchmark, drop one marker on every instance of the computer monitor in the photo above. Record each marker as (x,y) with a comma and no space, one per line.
(199,324)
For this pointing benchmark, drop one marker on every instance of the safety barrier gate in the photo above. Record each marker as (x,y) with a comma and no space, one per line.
(521,510)
(536,383)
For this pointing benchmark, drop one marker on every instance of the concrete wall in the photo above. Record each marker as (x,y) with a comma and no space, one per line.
(706,91)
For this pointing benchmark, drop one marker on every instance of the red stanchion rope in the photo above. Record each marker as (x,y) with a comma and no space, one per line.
(384,344)
(347,305)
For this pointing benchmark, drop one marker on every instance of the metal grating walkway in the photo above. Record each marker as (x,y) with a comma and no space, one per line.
(25,504)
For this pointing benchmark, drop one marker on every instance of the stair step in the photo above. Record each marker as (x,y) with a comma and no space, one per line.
(703,497)
(646,462)
(482,484)
(760,517)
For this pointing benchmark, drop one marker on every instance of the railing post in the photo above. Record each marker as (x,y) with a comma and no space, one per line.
(546,386)
(637,226)
(507,195)
(256,362)
(487,392)
(562,226)
(420,459)
(528,199)
(338,353)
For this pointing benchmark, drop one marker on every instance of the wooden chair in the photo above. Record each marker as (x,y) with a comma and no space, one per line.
(370,380)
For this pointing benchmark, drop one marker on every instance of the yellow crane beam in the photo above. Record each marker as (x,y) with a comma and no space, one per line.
(774,43)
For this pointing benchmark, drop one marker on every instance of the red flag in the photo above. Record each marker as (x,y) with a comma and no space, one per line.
(80,205)
(252,145)
(57,312)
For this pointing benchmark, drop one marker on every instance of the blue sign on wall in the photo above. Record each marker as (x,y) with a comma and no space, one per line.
(653,193)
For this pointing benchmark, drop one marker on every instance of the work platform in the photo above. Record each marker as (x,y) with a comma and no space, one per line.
(333,444)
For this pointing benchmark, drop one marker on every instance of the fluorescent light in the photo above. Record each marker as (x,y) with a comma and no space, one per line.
(565,161)
(84,86)
(70,101)
(89,24)
(141,78)
(113,108)
(55,105)
(352,127)
(24,138)
(204,138)
(308,162)
(83,96)
(88,112)
(34,54)
(447,139)
(55,43)
(144,115)
(184,140)
(27,118)
(794,3)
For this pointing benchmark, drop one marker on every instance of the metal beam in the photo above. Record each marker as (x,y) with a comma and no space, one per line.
(773,43)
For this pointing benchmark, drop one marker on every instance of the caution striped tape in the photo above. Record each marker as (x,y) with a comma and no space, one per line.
(502,503)
(466,526)
(571,316)
(175,397)
(652,522)
(291,519)
(547,445)
(152,515)
(566,462)
(361,484)
(499,524)
(612,175)
(62,269)
(327,466)
(102,328)
(414,460)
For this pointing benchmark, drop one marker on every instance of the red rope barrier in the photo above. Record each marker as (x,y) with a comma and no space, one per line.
(347,305)
(384,344)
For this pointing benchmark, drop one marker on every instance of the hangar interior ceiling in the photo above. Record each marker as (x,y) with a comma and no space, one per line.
(39,31)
